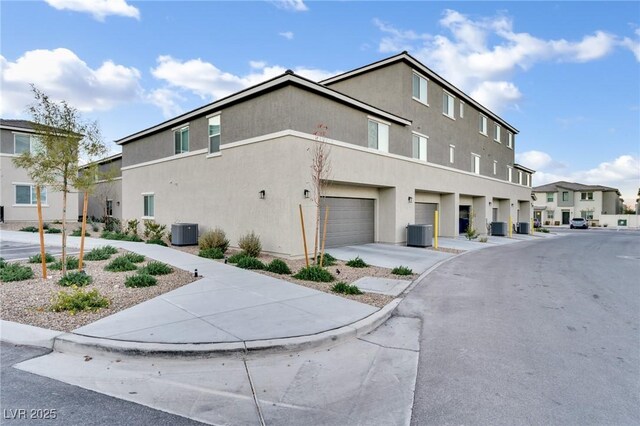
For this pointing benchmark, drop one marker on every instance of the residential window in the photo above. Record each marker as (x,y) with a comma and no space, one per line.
(109,208)
(26,195)
(483,124)
(149,205)
(496,136)
(495,167)
(510,173)
(419,145)
(448,105)
(586,214)
(586,196)
(452,153)
(550,214)
(378,136)
(549,197)
(528,179)
(420,88)
(25,143)
(565,196)
(475,163)
(181,140)
(214,134)
(519,177)
(461,114)
(510,140)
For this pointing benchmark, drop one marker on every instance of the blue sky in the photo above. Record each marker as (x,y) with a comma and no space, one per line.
(566,74)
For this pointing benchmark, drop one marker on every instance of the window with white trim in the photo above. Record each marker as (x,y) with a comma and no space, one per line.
(528,179)
(483,125)
(181,140)
(549,214)
(448,105)
(214,134)
(109,207)
(452,153)
(420,88)
(149,205)
(419,147)
(495,167)
(550,197)
(475,163)
(510,140)
(510,173)
(496,135)
(378,136)
(23,142)
(519,177)
(26,195)
(461,113)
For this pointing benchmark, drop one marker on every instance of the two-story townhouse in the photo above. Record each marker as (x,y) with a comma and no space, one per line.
(558,202)
(243,162)
(106,197)
(17,190)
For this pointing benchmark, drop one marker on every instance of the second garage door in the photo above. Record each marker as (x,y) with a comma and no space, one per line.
(425,213)
(351,221)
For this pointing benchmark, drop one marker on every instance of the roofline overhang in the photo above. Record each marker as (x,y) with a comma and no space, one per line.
(526,169)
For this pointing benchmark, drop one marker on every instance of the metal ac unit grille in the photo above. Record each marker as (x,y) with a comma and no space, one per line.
(419,235)
(523,227)
(499,228)
(184,234)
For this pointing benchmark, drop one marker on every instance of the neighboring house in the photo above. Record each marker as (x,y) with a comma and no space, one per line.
(404,142)
(558,202)
(17,190)
(106,198)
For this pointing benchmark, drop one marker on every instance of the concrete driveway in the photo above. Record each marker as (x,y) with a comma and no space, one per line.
(389,256)
(13,250)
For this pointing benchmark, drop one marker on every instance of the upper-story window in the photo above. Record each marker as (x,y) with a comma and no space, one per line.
(528,179)
(452,153)
(510,140)
(475,163)
(510,173)
(448,105)
(214,134)
(461,114)
(419,147)
(420,88)
(26,195)
(586,196)
(378,136)
(181,140)
(496,135)
(495,167)
(483,125)
(519,177)
(565,196)
(549,197)
(25,143)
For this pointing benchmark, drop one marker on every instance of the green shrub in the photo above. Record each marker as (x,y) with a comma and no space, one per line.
(120,264)
(78,233)
(214,239)
(357,263)
(470,233)
(211,253)
(53,231)
(109,249)
(15,272)
(72,263)
(45,225)
(140,280)
(119,236)
(345,288)
(38,259)
(158,242)
(112,224)
(327,260)
(401,270)
(155,268)
(132,227)
(78,300)
(250,244)
(76,278)
(314,273)
(29,229)
(153,230)
(98,253)
(278,266)
(236,257)
(134,257)
(3,263)
(250,263)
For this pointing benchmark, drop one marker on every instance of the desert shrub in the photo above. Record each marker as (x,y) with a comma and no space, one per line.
(38,259)
(45,225)
(483,239)
(470,233)
(327,260)
(134,257)
(153,230)
(236,257)
(401,270)
(15,272)
(158,242)
(100,253)
(248,262)
(3,263)
(250,244)
(109,249)
(53,231)
(357,263)
(119,236)
(120,264)
(214,239)
(278,266)
(314,273)
(76,278)
(112,224)
(211,253)
(29,229)
(155,268)
(78,233)
(132,227)
(140,280)
(72,263)
(78,300)
(345,288)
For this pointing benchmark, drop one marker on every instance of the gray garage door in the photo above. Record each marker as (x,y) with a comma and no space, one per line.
(425,213)
(351,221)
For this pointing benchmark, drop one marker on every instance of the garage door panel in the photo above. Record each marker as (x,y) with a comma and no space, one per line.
(425,213)
(351,221)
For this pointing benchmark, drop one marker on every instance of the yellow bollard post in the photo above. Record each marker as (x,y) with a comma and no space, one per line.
(510,226)
(531,227)
(435,230)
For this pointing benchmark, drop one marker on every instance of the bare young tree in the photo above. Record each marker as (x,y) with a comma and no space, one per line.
(320,172)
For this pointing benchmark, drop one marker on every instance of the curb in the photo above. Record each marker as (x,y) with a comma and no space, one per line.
(28,335)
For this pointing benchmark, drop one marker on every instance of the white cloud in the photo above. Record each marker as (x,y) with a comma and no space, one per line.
(287,34)
(99,9)
(633,45)
(167,100)
(481,55)
(257,64)
(63,75)
(293,5)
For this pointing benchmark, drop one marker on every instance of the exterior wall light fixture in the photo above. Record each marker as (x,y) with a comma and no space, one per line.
(411,199)
(262,194)
(306,193)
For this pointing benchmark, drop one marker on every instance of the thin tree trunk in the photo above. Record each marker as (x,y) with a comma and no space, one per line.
(316,234)
(41,232)
(64,229)
(85,204)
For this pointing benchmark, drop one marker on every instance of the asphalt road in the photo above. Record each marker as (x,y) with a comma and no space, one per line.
(28,399)
(533,333)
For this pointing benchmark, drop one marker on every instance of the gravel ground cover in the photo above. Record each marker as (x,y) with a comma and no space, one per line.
(28,301)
